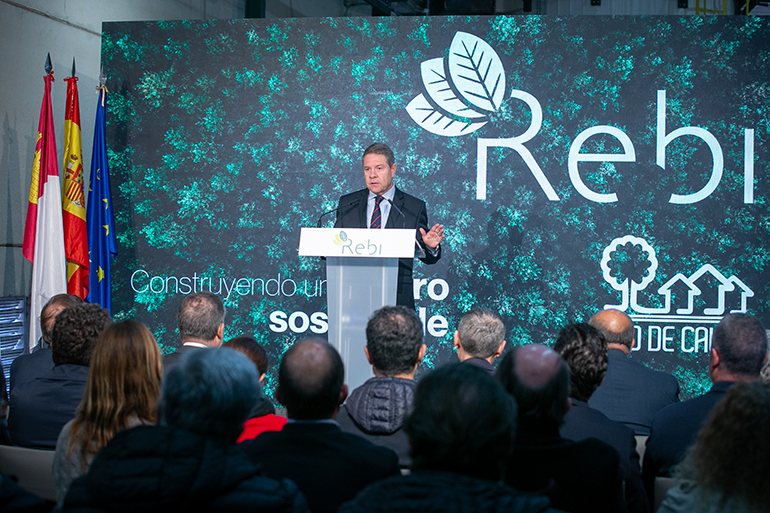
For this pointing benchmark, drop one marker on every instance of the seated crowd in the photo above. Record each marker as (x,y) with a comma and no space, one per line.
(549,429)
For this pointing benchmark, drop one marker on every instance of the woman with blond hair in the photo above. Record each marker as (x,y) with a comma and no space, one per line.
(121,392)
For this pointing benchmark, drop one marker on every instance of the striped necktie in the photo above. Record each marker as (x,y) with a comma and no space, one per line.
(376,214)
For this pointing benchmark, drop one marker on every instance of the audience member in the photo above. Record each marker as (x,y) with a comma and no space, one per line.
(40,407)
(727,468)
(328,465)
(262,416)
(376,410)
(201,323)
(738,351)
(479,338)
(29,366)
(15,499)
(631,393)
(121,392)
(462,432)
(578,476)
(190,463)
(583,348)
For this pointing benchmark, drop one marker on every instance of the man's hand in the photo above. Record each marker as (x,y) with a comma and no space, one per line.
(433,237)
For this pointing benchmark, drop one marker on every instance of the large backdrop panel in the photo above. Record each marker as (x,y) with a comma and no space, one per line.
(576,163)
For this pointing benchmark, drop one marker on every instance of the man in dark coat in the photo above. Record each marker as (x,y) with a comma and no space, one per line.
(201,323)
(371,208)
(631,393)
(328,465)
(376,410)
(583,348)
(462,431)
(738,351)
(578,476)
(479,338)
(191,463)
(39,408)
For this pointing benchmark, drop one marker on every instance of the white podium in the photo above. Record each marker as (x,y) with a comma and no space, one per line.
(361,277)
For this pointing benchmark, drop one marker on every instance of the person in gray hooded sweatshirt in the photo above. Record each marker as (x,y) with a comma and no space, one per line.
(376,410)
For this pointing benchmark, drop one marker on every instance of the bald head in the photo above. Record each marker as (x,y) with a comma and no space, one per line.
(538,379)
(617,328)
(310,380)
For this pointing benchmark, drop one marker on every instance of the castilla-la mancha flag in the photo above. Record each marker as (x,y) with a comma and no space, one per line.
(73,199)
(44,233)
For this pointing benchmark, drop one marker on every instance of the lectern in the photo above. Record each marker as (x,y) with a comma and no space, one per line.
(361,277)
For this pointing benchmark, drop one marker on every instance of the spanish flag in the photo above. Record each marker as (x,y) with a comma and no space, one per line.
(43,233)
(73,200)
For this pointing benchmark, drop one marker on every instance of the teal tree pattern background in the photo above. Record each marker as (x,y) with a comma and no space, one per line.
(226,137)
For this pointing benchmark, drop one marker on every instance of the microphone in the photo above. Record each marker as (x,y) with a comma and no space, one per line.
(350,204)
(419,251)
(403,217)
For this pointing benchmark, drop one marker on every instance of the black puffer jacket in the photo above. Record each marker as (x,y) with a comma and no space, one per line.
(160,468)
(443,492)
(376,411)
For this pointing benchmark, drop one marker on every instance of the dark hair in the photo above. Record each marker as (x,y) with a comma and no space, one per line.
(210,392)
(200,316)
(250,347)
(583,348)
(394,339)
(481,331)
(462,422)
(731,457)
(741,342)
(75,332)
(52,309)
(310,383)
(546,404)
(380,149)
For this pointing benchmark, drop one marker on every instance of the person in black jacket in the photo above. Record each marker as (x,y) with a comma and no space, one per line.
(462,432)
(479,338)
(190,463)
(376,410)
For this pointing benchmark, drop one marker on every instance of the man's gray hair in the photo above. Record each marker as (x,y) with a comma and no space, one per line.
(481,331)
(200,316)
(210,392)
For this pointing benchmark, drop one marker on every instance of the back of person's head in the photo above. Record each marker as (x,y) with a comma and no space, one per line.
(123,385)
(380,149)
(310,380)
(741,342)
(75,332)
(731,457)
(583,349)
(394,340)
(200,316)
(481,332)
(210,392)
(616,327)
(251,348)
(462,422)
(538,379)
(52,309)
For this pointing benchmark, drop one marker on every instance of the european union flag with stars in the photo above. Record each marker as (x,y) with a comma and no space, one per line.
(102,245)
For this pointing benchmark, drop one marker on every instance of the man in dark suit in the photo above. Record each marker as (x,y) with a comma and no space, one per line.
(738,351)
(328,465)
(578,476)
(583,348)
(479,338)
(41,406)
(201,323)
(371,208)
(631,393)
(29,366)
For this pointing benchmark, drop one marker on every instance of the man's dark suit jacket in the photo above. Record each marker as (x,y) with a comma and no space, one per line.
(481,364)
(171,359)
(415,216)
(577,476)
(329,466)
(582,422)
(632,393)
(675,429)
(29,366)
(41,407)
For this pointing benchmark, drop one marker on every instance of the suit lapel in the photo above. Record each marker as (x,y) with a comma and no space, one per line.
(394,217)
